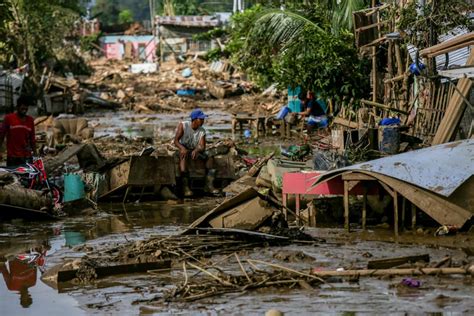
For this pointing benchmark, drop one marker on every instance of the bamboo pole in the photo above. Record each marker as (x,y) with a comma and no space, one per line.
(385,272)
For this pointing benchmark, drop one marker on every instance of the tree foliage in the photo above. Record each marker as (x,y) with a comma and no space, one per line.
(31,31)
(298,48)
(125,16)
(422,24)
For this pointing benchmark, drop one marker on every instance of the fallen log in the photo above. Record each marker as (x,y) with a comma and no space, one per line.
(67,275)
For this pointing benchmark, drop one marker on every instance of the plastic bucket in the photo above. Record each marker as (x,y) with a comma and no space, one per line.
(73,187)
(389,139)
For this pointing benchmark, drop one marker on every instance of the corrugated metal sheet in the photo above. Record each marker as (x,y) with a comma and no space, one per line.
(457,58)
(440,169)
(110,39)
(182,20)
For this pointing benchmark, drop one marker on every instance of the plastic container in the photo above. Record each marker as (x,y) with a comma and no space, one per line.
(186,92)
(389,139)
(73,187)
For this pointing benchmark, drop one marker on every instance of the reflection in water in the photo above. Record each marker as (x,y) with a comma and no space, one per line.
(20,273)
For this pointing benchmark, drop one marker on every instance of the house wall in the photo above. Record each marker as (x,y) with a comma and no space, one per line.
(114,48)
(179,40)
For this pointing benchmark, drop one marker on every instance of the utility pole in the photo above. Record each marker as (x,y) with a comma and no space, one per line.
(151,4)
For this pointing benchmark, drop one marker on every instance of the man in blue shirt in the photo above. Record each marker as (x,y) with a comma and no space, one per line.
(314,110)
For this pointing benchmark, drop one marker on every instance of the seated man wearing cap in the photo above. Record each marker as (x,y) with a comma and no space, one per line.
(190,139)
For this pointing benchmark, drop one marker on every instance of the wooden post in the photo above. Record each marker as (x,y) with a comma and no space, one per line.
(395,213)
(413,216)
(374,74)
(398,57)
(404,202)
(346,205)
(284,202)
(297,211)
(364,209)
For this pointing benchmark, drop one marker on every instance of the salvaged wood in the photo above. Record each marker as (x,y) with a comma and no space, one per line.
(455,109)
(393,262)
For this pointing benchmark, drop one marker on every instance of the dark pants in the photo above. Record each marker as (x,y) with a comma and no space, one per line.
(13,162)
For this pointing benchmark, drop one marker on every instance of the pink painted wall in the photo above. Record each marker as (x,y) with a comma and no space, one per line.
(117,50)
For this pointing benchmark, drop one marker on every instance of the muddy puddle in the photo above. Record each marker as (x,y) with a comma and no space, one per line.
(22,291)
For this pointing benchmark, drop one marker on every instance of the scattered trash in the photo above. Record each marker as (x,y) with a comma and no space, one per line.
(411,282)
(446,230)
(187,72)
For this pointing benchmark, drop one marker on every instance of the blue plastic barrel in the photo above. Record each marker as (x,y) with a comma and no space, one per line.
(73,187)
(389,139)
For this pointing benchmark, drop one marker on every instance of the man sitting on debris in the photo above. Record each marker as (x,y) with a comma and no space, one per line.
(190,139)
(19,129)
(313,110)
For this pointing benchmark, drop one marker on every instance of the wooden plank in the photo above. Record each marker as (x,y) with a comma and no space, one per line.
(67,275)
(455,109)
(345,122)
(393,262)
(450,49)
(352,185)
(383,106)
(355,176)
(382,272)
(395,213)
(452,42)
(346,205)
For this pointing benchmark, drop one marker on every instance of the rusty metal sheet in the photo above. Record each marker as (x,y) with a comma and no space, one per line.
(440,169)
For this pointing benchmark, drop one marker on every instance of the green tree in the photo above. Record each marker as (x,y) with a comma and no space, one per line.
(125,16)
(298,48)
(35,29)
(107,11)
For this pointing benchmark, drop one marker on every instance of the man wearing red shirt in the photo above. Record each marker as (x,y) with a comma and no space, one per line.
(19,129)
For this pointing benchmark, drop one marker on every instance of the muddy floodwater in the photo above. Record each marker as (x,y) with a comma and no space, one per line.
(128,294)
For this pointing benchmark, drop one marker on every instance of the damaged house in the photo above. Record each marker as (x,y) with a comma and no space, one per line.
(176,34)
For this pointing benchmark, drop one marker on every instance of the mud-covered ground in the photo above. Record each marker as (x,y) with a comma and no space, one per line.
(130,294)
(141,293)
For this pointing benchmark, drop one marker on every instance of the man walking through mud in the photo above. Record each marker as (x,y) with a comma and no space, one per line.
(190,139)
(19,129)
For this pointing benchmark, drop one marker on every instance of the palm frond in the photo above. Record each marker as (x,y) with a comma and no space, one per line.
(342,15)
(280,28)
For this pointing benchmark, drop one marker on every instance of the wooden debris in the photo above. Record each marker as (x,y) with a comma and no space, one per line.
(393,262)
(455,109)
(394,272)
(104,271)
